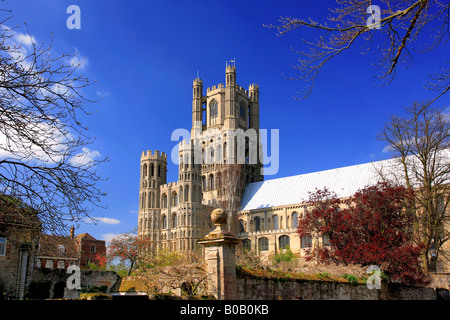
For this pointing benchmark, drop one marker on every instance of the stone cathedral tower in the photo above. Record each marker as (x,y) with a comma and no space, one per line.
(228,109)
(175,215)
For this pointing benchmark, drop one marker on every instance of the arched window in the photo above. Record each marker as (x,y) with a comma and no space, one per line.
(174,220)
(275,222)
(225,152)
(294,220)
(306,241)
(263,244)
(144,170)
(284,242)
(204,183)
(186,194)
(149,202)
(152,168)
(174,199)
(219,180)
(211,182)
(213,112)
(242,111)
(164,200)
(241,226)
(164,222)
(144,198)
(257,224)
(247,244)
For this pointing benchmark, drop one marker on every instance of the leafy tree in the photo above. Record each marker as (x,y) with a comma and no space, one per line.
(128,248)
(373,227)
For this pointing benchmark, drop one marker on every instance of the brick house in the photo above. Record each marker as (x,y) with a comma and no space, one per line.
(89,249)
(59,252)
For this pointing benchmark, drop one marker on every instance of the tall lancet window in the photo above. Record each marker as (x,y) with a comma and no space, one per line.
(213,113)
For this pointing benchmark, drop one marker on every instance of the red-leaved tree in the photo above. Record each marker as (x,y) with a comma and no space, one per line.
(129,248)
(373,227)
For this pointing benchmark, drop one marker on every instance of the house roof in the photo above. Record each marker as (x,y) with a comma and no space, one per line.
(344,181)
(50,246)
(85,236)
(13,212)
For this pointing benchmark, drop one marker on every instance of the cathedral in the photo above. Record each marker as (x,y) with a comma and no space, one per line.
(175,215)
(225,131)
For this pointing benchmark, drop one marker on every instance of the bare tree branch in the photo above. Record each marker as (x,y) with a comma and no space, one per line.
(44,156)
(406,25)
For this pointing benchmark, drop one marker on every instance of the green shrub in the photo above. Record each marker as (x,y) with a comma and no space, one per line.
(351,278)
(323,274)
(95,296)
(284,256)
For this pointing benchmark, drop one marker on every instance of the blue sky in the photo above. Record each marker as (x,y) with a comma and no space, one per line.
(144,55)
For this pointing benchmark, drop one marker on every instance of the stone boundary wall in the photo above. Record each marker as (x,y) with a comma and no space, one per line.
(270,289)
(440,280)
(88,279)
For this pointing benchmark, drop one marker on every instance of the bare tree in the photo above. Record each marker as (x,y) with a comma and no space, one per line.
(420,144)
(170,269)
(44,156)
(231,188)
(404,25)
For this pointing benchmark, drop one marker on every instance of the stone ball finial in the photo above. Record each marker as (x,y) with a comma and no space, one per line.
(219,216)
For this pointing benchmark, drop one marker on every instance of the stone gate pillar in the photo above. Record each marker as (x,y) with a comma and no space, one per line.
(220,259)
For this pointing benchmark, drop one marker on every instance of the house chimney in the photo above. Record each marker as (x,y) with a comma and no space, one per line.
(72,232)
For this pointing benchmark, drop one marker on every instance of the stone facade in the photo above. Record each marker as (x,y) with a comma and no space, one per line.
(220,259)
(19,234)
(266,289)
(175,215)
(54,282)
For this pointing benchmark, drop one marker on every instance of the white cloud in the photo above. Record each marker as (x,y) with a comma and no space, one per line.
(101,219)
(102,94)
(387,149)
(16,145)
(107,220)
(85,157)
(109,236)
(78,62)
(25,39)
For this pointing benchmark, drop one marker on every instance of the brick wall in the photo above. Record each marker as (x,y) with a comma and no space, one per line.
(90,249)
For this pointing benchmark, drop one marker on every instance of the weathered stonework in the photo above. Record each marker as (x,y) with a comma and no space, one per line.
(220,259)
(88,279)
(268,289)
